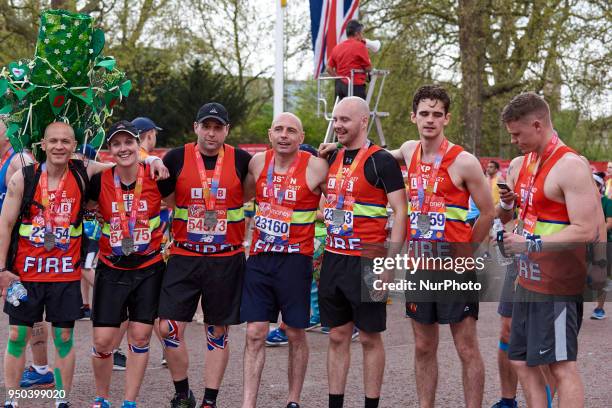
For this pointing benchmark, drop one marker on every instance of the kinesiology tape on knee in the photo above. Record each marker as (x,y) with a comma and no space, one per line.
(216,342)
(549,397)
(15,347)
(172,339)
(139,349)
(503,346)
(99,354)
(62,346)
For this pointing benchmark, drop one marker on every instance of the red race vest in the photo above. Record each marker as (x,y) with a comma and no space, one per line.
(365,209)
(558,272)
(147,234)
(33,262)
(287,227)
(192,235)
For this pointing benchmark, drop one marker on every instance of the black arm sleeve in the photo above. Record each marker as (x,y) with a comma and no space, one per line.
(95,185)
(173,160)
(383,171)
(242,163)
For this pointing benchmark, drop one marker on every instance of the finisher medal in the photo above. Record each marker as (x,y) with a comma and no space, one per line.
(338,217)
(127,246)
(210,219)
(423,223)
(49,240)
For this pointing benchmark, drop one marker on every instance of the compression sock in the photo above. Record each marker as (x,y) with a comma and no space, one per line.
(336,400)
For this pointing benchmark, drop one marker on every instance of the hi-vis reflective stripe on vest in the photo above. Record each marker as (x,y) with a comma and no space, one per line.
(369,210)
(25,231)
(233,214)
(154,223)
(301,217)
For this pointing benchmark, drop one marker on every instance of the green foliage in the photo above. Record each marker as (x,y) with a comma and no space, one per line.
(172,97)
(315,127)
(255,128)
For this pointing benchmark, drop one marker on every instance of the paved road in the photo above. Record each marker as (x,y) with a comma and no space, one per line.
(399,386)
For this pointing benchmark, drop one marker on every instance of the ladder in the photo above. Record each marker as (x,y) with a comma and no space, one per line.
(375,88)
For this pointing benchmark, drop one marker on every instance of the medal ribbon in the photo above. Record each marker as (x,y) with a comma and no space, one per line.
(341,182)
(209,192)
(44,190)
(533,169)
(425,194)
(127,226)
(284,184)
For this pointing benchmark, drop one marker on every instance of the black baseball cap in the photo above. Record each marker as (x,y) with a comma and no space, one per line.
(122,126)
(213,110)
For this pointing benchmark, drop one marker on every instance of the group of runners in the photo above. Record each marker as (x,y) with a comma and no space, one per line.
(353,183)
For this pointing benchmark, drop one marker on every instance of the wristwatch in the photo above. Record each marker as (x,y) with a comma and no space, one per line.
(602,263)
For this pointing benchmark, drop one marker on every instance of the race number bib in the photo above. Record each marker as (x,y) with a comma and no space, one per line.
(437,220)
(273,222)
(61,230)
(199,228)
(339,222)
(528,225)
(141,235)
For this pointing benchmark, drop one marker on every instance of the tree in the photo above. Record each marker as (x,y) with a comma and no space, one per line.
(492,50)
(173,96)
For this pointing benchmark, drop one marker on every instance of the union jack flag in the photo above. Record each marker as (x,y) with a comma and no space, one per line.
(328,19)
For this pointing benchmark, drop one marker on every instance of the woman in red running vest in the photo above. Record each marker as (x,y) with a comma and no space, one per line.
(129,274)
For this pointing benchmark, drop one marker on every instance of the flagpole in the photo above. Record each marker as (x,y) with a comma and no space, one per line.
(279,64)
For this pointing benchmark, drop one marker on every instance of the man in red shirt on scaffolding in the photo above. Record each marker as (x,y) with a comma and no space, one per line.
(349,55)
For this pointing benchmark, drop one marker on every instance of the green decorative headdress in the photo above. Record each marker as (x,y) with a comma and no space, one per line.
(67,80)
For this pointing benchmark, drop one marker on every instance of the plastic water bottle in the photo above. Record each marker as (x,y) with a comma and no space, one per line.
(498,228)
(16,293)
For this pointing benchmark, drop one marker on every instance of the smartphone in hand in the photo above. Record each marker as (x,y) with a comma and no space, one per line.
(503,186)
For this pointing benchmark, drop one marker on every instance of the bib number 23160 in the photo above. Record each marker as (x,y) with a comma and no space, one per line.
(273,223)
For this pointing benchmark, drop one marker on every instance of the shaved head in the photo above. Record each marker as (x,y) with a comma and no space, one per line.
(59,127)
(350,119)
(286,134)
(291,117)
(355,105)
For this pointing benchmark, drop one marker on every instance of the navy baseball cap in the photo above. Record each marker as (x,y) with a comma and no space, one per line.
(88,151)
(213,110)
(122,126)
(144,124)
(310,149)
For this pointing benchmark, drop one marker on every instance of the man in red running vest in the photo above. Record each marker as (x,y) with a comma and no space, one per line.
(287,184)
(207,257)
(47,258)
(458,176)
(363,178)
(552,195)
